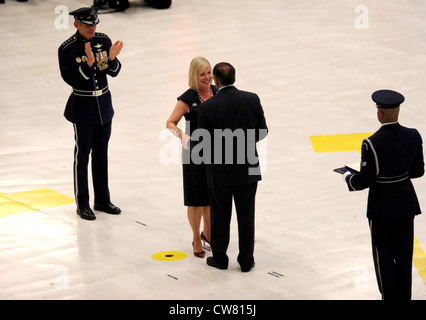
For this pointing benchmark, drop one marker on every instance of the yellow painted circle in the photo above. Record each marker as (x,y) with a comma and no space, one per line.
(169,255)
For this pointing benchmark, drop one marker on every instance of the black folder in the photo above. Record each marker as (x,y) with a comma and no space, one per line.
(352,168)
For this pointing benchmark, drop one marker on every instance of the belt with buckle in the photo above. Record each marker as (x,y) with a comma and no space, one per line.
(84,93)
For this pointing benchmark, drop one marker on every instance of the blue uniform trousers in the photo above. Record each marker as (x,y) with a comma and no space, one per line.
(392,243)
(91,139)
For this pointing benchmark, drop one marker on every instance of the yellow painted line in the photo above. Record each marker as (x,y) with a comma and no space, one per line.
(353,142)
(32,200)
(338,142)
(419,260)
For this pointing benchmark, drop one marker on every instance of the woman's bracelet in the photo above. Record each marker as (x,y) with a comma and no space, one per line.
(175,133)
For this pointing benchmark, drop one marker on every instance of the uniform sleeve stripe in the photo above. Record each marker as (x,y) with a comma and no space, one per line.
(375,156)
(350,183)
(117,66)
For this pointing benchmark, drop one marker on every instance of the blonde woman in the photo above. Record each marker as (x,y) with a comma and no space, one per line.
(195,191)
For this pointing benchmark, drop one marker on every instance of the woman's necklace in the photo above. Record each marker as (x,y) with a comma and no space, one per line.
(202,99)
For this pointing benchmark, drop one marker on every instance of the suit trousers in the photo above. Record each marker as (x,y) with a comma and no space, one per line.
(393,255)
(91,140)
(221,212)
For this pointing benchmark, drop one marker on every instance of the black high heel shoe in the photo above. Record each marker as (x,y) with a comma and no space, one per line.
(204,239)
(199,254)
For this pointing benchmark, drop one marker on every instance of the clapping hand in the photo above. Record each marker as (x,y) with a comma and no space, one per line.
(89,54)
(115,49)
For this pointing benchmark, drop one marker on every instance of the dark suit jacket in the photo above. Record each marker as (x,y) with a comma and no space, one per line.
(389,159)
(235,122)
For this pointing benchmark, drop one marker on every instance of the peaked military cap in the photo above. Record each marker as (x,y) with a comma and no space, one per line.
(86,15)
(387,99)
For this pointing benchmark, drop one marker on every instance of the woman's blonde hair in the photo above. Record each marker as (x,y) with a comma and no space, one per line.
(197,66)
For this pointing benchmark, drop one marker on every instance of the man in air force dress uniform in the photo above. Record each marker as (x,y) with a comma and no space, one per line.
(85,60)
(390,158)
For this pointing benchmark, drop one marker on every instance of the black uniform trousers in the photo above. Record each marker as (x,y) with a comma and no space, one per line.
(91,139)
(392,243)
(220,214)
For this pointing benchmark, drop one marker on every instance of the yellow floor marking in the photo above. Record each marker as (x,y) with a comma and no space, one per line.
(419,259)
(338,142)
(352,142)
(169,255)
(32,200)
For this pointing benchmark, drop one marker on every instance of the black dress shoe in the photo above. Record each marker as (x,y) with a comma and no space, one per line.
(248,268)
(86,214)
(213,263)
(108,208)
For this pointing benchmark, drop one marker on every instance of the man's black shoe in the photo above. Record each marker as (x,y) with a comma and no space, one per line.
(108,208)
(247,269)
(212,263)
(86,214)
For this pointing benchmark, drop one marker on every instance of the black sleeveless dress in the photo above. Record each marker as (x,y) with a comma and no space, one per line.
(195,193)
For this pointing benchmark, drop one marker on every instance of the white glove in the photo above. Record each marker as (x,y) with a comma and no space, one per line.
(347,173)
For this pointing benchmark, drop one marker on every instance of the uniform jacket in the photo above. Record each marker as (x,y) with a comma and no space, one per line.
(81,108)
(238,113)
(389,159)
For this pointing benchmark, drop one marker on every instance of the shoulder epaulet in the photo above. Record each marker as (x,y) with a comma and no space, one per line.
(101,35)
(67,42)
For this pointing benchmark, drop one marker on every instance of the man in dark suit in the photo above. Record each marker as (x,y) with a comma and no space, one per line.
(390,159)
(235,121)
